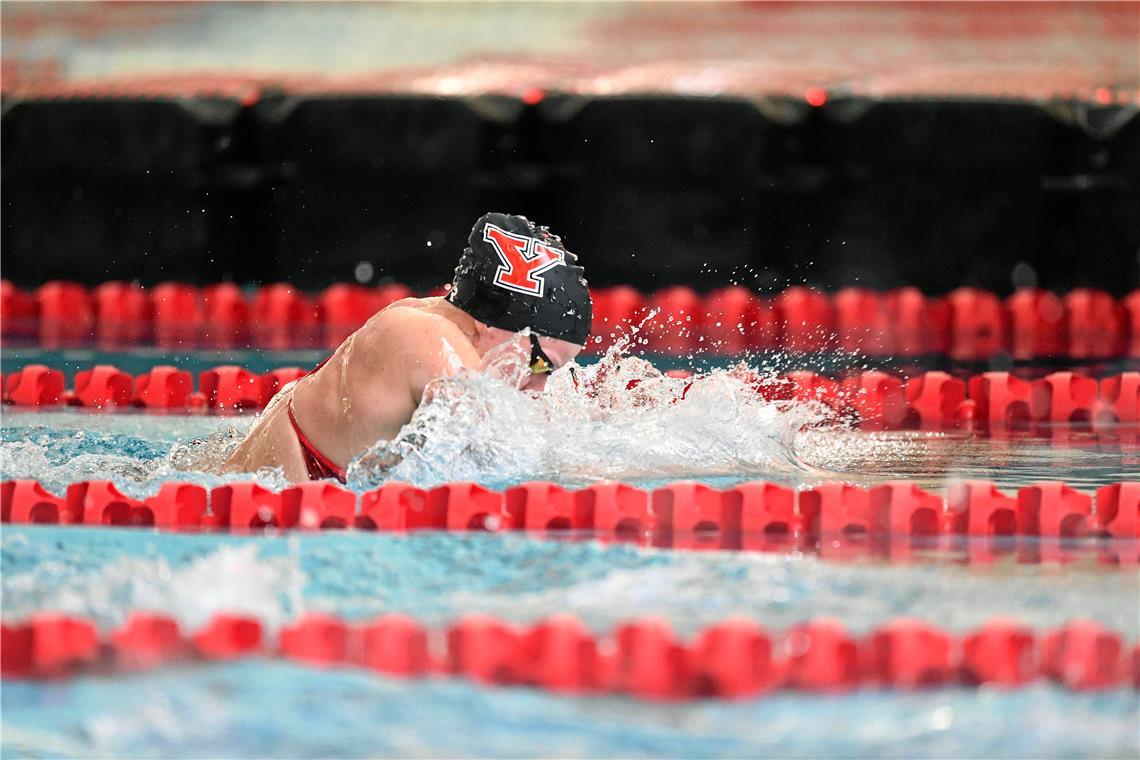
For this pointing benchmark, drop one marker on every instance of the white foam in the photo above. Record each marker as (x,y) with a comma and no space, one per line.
(619,418)
(231,579)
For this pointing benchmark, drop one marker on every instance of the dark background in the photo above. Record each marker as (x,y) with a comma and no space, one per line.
(648,190)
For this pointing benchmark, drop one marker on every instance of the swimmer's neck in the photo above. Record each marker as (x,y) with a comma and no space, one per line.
(467,324)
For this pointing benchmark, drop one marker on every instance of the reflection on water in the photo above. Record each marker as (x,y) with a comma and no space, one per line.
(140,452)
(105,574)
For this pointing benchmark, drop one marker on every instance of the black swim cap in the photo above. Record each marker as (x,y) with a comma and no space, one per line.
(514,274)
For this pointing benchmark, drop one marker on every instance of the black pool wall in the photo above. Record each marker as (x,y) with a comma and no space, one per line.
(649,190)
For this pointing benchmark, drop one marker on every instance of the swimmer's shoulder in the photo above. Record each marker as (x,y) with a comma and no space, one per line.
(404,312)
(414,325)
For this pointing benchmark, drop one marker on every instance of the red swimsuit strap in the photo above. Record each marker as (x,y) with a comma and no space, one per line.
(325,466)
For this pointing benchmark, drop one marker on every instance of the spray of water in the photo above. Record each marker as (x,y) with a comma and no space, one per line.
(618,418)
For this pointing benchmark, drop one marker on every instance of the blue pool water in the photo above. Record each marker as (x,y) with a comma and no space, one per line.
(263,708)
(276,709)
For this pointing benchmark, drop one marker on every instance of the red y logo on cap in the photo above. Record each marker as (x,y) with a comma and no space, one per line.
(524,259)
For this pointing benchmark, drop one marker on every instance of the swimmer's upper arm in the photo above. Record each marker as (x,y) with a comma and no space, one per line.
(431,347)
(412,349)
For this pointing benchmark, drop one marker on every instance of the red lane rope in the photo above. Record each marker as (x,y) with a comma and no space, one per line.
(735,658)
(967,324)
(682,515)
(876,400)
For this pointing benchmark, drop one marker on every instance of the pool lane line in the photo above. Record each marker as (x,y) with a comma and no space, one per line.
(992,403)
(967,323)
(643,658)
(893,516)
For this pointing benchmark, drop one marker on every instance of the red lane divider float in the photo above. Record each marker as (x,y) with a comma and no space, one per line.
(735,658)
(685,514)
(966,324)
(878,400)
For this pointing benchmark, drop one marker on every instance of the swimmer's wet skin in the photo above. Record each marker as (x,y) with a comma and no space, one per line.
(514,276)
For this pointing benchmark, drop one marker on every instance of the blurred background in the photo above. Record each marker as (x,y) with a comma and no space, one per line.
(924,144)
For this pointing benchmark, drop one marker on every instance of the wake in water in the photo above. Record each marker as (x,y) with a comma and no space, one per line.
(619,418)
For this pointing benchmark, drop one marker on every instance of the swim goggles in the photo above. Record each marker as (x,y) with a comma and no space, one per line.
(540,363)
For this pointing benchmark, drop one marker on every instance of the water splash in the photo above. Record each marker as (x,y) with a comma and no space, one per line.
(106,583)
(618,418)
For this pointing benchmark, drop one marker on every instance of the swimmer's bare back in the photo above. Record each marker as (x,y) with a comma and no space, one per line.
(366,391)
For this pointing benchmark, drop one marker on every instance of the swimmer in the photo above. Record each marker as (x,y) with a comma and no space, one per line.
(513,276)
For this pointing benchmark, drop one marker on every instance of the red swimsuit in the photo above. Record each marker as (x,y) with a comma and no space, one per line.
(318,465)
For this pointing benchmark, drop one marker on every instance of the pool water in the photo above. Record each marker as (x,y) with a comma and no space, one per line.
(276,709)
(264,708)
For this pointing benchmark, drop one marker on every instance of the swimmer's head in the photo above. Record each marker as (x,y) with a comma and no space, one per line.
(514,275)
